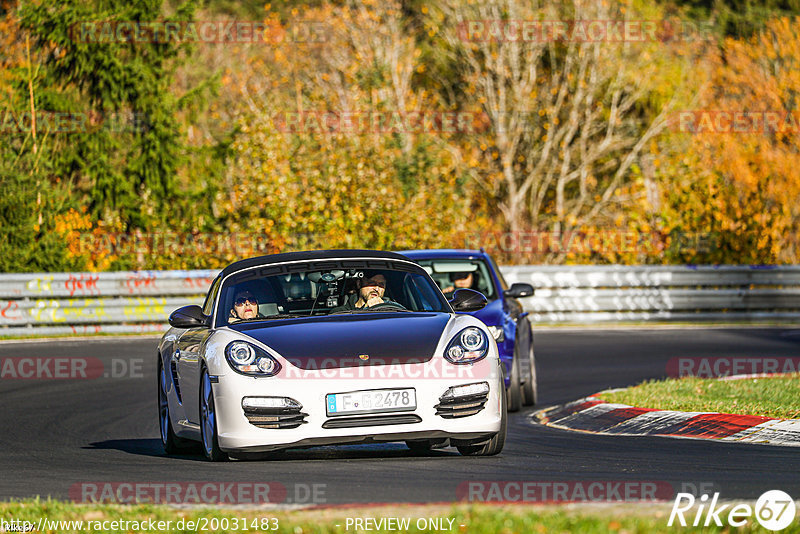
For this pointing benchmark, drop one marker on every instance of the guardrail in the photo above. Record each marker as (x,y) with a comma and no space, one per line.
(93,303)
(141,301)
(609,293)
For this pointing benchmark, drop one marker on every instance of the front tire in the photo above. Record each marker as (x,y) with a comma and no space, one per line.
(208,421)
(530,388)
(496,443)
(514,389)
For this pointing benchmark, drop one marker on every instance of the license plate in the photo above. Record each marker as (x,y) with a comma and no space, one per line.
(371,401)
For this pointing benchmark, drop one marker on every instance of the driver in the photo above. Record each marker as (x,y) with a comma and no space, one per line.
(463,280)
(370,293)
(245,306)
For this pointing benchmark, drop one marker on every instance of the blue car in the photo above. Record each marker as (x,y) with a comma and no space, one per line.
(509,324)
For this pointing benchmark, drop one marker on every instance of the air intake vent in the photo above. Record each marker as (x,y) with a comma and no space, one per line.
(174,368)
(374,420)
(461,406)
(275,417)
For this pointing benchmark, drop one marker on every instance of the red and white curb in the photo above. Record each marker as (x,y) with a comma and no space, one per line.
(592,414)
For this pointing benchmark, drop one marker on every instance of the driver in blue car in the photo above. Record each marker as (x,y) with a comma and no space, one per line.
(464,280)
(370,293)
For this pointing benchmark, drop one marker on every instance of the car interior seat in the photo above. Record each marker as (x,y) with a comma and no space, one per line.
(299,288)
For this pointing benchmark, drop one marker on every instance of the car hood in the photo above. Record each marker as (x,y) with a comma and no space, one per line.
(343,340)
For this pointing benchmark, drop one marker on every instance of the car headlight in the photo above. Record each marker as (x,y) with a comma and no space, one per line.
(497,333)
(468,346)
(250,360)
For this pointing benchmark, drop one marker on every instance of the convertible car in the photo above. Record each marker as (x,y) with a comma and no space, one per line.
(330,347)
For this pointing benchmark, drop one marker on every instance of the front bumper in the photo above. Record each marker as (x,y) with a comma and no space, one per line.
(309,388)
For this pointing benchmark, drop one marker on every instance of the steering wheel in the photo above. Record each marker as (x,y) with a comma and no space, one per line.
(388,306)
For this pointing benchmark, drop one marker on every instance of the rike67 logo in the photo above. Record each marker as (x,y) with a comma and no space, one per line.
(774,510)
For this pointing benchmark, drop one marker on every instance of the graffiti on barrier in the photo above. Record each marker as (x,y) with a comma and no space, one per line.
(137,283)
(82,284)
(40,285)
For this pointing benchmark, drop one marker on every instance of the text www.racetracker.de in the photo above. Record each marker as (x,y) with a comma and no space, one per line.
(149,524)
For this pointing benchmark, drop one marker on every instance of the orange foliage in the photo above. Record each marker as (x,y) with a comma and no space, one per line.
(746,186)
(320,188)
(93,246)
(12,51)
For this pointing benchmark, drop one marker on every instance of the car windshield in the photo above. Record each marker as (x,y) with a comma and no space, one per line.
(452,274)
(252,295)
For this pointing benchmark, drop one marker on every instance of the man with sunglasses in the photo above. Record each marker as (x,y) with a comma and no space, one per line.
(245,306)
(459,281)
(370,293)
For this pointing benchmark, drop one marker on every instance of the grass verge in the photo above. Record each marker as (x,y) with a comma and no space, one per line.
(769,397)
(467,519)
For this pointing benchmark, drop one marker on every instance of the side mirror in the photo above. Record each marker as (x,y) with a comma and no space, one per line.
(188,317)
(467,300)
(519,290)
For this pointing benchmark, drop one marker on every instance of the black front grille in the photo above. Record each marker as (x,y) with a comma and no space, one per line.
(462,406)
(372,420)
(275,417)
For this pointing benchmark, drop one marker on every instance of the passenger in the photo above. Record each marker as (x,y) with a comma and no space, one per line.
(462,280)
(245,306)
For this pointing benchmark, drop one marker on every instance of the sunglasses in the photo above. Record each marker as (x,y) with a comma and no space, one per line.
(373,283)
(241,301)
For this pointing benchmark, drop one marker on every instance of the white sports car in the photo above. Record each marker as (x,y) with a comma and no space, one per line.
(329,347)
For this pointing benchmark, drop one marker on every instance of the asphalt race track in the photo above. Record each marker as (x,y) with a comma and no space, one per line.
(58,433)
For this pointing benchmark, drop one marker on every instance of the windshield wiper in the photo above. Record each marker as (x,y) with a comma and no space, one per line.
(285,316)
(268,317)
(369,310)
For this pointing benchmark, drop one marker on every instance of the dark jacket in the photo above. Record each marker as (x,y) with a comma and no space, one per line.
(350,304)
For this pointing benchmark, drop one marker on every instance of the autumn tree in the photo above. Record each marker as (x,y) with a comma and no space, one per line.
(735,18)
(569,120)
(127,165)
(33,198)
(344,185)
(740,183)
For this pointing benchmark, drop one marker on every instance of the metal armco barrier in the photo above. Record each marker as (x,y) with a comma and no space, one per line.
(608,293)
(141,301)
(115,284)
(92,303)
